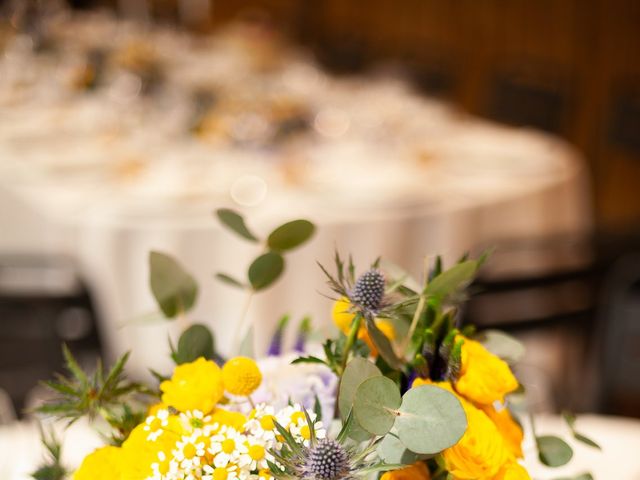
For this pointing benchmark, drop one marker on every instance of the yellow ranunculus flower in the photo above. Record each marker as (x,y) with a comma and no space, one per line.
(103,464)
(241,376)
(153,409)
(342,318)
(513,471)
(484,378)
(481,452)
(194,386)
(508,428)
(228,418)
(138,453)
(417,471)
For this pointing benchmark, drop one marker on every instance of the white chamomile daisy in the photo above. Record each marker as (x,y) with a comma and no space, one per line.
(155,424)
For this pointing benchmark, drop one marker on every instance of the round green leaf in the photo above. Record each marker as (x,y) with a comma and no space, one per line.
(265,270)
(235,222)
(290,235)
(375,404)
(174,289)
(553,451)
(392,450)
(196,341)
(430,420)
(357,371)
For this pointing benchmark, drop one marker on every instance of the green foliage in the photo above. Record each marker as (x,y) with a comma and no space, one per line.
(51,468)
(123,421)
(229,280)
(265,270)
(290,235)
(235,223)
(444,285)
(502,345)
(430,419)
(570,419)
(196,341)
(553,451)
(383,345)
(80,394)
(582,476)
(375,403)
(392,450)
(174,289)
(357,371)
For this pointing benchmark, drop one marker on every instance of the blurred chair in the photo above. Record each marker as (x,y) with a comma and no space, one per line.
(42,304)
(543,292)
(619,326)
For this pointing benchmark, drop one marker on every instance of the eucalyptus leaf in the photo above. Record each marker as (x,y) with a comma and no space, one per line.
(196,341)
(383,345)
(290,235)
(265,270)
(451,280)
(583,476)
(174,289)
(235,222)
(553,451)
(502,345)
(375,404)
(357,371)
(229,280)
(586,440)
(430,419)
(392,450)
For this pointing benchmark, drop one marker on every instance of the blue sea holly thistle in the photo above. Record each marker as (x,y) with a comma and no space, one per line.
(368,292)
(323,459)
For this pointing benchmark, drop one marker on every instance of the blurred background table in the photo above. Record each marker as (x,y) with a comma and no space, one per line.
(178,126)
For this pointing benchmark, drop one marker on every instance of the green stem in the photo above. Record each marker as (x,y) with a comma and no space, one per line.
(351,339)
(240,331)
(414,324)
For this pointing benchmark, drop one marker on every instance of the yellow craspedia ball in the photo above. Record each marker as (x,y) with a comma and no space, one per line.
(103,464)
(342,317)
(484,378)
(417,471)
(241,376)
(196,385)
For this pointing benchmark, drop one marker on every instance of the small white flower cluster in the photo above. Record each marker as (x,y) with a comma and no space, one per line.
(193,447)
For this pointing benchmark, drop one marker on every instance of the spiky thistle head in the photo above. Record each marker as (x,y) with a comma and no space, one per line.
(368,291)
(326,460)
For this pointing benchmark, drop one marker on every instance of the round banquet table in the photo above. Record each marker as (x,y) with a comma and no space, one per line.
(20,451)
(104,178)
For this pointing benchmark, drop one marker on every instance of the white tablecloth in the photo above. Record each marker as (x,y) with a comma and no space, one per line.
(20,452)
(106,176)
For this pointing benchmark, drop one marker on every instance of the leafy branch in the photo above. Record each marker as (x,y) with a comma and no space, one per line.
(79,394)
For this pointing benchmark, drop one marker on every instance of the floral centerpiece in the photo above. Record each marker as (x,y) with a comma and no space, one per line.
(402,392)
